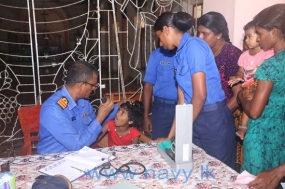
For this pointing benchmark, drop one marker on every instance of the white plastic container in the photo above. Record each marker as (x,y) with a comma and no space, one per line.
(7,179)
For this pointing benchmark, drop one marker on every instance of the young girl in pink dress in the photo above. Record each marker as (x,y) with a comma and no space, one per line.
(248,63)
(124,129)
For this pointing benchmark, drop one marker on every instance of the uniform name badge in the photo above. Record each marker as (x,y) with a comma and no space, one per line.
(164,63)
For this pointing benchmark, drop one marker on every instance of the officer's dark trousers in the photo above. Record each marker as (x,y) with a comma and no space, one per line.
(163,113)
(214,131)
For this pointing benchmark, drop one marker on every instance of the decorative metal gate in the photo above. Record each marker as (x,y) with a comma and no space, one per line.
(40,38)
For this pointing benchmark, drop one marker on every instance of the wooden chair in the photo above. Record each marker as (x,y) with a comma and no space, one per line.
(29,118)
(115,96)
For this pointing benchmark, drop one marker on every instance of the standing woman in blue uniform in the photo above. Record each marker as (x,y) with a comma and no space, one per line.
(160,83)
(199,83)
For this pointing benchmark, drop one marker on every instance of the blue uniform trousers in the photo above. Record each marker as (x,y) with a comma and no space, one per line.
(163,112)
(214,131)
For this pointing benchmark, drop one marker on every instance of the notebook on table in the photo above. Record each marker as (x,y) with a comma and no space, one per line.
(77,164)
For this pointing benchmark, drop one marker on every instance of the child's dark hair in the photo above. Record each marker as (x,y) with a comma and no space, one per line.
(135,112)
(249,25)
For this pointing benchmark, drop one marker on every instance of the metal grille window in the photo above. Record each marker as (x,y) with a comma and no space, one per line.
(40,38)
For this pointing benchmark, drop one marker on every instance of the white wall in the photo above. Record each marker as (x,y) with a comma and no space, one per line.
(237,13)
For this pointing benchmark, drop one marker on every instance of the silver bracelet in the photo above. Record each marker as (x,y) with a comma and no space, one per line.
(242,127)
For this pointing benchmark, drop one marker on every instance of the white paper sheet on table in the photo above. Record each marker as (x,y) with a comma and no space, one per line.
(85,159)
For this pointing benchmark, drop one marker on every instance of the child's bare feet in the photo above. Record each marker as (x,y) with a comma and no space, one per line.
(241,132)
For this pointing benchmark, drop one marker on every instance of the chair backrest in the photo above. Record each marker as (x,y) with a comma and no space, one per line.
(29,118)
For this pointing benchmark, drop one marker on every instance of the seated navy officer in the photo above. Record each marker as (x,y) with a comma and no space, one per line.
(67,119)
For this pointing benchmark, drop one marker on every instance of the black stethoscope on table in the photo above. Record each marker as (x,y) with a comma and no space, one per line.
(125,168)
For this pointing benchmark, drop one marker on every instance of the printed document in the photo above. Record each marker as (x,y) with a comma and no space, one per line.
(76,164)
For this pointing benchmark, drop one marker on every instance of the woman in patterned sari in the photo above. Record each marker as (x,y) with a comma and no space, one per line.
(265,137)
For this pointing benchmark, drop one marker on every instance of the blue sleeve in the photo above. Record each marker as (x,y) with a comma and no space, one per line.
(151,69)
(196,58)
(64,130)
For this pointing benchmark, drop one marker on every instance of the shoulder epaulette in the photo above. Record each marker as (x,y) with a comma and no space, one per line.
(62,102)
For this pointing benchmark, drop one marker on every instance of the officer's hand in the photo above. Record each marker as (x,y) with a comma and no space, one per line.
(104,110)
(161,139)
(147,124)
